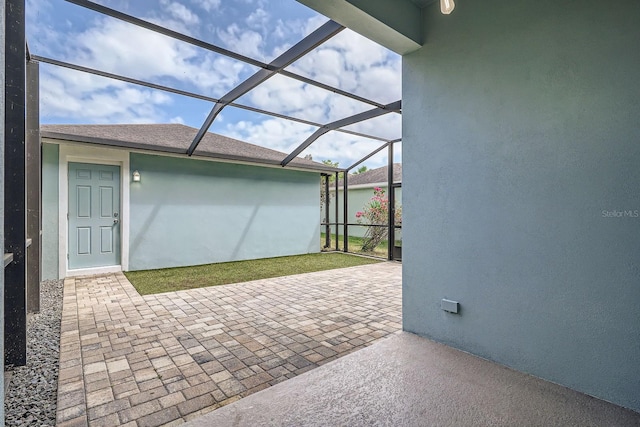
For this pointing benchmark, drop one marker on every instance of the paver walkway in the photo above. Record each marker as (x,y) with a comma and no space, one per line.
(163,359)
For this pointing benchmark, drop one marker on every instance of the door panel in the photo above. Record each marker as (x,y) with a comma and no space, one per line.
(106,240)
(106,202)
(83,173)
(94,213)
(84,201)
(84,240)
(106,176)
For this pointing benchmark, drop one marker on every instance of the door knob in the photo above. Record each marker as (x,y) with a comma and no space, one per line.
(115,221)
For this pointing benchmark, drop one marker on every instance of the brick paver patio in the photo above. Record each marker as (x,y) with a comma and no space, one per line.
(163,359)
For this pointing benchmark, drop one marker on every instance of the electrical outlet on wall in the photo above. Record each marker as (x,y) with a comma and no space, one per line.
(450,306)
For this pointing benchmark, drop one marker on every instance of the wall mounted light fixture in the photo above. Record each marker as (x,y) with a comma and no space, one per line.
(136,176)
(447,6)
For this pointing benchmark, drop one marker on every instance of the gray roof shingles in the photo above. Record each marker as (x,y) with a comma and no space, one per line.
(375,176)
(173,138)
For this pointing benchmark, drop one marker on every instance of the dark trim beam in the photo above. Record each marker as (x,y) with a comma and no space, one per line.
(15,238)
(297,51)
(366,115)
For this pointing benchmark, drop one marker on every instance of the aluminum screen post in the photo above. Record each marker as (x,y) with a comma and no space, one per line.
(33,187)
(327,198)
(337,211)
(345,207)
(15,236)
(391,232)
(2,183)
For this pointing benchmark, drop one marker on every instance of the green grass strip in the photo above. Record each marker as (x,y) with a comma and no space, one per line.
(180,278)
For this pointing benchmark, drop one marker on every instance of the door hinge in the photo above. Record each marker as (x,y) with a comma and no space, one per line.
(67,215)
(67,256)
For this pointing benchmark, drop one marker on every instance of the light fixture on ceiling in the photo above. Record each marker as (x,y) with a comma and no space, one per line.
(136,176)
(447,6)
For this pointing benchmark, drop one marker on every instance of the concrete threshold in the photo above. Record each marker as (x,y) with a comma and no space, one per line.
(406,380)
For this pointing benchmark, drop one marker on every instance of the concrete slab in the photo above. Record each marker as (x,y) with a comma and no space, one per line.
(406,380)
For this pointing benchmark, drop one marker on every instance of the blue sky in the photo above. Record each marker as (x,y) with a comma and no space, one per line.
(260,29)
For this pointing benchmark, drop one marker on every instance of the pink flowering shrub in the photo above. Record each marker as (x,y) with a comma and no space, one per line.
(376,213)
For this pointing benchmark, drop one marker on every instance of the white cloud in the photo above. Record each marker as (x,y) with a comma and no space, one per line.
(181,12)
(84,97)
(241,40)
(42,38)
(258,19)
(118,47)
(313,24)
(388,126)
(287,29)
(208,5)
(353,63)
(292,97)
(278,134)
(345,149)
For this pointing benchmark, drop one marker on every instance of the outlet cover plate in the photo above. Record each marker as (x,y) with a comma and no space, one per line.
(450,306)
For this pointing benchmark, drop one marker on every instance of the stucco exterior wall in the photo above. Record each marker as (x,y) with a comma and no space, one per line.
(521,177)
(187,212)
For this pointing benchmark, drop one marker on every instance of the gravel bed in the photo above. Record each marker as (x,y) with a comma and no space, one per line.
(32,394)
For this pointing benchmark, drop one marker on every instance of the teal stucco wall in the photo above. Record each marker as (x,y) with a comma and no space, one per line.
(50,212)
(188,212)
(521,175)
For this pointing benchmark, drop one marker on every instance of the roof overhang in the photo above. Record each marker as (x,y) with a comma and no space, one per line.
(176,151)
(395,24)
